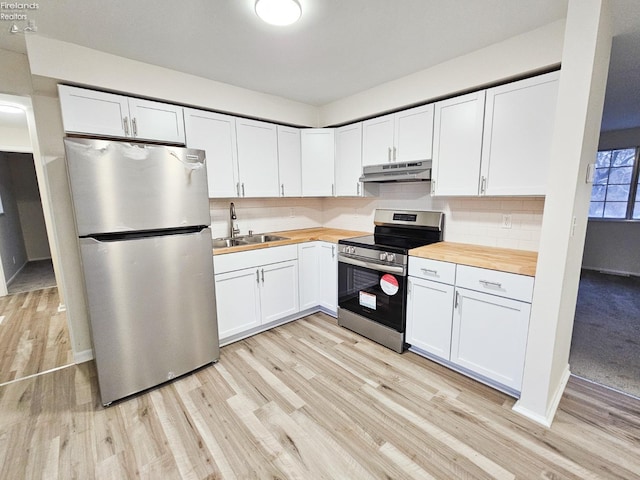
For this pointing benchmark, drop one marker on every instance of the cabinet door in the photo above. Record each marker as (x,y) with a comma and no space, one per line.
(348,160)
(289,161)
(377,140)
(216,135)
(156,121)
(257,158)
(308,274)
(96,113)
(318,159)
(429,316)
(518,128)
(413,134)
(238,301)
(490,336)
(457,145)
(279,290)
(329,276)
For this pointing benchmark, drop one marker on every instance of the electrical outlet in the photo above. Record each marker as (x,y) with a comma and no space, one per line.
(506,220)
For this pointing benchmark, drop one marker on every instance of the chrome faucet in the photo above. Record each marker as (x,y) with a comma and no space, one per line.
(233,227)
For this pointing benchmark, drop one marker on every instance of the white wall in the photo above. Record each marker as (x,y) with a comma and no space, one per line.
(612,246)
(13,139)
(523,54)
(75,64)
(25,185)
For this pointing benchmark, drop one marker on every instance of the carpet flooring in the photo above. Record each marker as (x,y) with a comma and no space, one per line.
(35,275)
(605,347)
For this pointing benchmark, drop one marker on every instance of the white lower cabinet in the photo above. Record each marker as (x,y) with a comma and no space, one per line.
(429,312)
(318,267)
(490,336)
(473,319)
(255,288)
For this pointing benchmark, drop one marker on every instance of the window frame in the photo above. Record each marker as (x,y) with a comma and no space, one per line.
(633,188)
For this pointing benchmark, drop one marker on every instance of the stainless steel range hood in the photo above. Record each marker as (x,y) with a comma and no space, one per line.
(397,172)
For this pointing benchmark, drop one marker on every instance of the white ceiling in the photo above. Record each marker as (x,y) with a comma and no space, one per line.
(338,48)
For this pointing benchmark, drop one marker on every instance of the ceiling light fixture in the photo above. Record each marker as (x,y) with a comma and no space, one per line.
(278,12)
(10,109)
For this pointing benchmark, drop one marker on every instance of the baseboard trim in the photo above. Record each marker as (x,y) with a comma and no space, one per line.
(546,419)
(83,356)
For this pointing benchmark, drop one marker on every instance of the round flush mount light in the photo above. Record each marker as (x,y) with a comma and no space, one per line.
(278,12)
(10,109)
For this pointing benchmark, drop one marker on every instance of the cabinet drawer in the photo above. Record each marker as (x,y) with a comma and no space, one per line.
(264,256)
(434,270)
(510,285)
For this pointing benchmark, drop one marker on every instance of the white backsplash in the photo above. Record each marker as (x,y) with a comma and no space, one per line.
(467,220)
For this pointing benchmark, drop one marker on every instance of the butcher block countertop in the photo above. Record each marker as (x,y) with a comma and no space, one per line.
(522,262)
(296,236)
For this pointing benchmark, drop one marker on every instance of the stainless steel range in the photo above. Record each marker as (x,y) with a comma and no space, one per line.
(372,273)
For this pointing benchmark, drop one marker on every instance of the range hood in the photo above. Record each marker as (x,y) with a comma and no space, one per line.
(397,172)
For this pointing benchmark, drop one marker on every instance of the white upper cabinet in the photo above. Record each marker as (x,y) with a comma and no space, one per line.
(348,160)
(399,137)
(107,114)
(318,162)
(457,145)
(257,158)
(518,128)
(216,135)
(289,161)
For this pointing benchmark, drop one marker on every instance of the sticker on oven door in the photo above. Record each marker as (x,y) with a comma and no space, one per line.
(389,284)
(368,300)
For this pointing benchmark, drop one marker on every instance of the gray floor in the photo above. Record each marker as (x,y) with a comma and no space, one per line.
(606,335)
(35,275)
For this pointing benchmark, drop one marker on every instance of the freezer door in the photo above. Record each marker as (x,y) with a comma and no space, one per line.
(120,186)
(152,309)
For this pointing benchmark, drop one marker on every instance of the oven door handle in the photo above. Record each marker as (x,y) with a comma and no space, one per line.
(372,266)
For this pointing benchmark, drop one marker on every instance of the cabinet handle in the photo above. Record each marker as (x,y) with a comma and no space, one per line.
(483,185)
(134,124)
(257,275)
(428,270)
(358,189)
(487,283)
(389,155)
(433,187)
(243,189)
(394,154)
(333,251)
(125,123)
(333,190)
(455,305)
(238,188)
(262,271)
(282,187)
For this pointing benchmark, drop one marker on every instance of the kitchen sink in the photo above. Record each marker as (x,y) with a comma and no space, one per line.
(261,238)
(228,242)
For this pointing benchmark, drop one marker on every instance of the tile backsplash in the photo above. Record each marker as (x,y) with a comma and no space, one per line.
(468,220)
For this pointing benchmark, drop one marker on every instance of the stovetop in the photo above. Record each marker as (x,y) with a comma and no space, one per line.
(388,243)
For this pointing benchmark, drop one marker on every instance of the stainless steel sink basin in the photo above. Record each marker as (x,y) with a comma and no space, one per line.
(227,242)
(262,238)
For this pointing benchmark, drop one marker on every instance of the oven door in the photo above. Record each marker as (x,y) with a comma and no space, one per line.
(376,292)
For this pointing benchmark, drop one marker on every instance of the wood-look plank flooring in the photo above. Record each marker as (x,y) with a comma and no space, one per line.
(310,400)
(34,336)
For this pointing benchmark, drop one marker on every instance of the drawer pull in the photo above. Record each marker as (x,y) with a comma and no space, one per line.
(487,283)
(429,271)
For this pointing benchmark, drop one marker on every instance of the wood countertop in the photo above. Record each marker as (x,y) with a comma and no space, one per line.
(509,260)
(296,236)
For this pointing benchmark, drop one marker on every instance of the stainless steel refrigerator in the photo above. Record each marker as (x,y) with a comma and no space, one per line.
(142,216)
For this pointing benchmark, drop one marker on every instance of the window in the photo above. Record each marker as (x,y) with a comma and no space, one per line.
(615,193)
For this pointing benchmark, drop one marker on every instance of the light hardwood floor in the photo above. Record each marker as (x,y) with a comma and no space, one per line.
(310,400)
(34,336)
